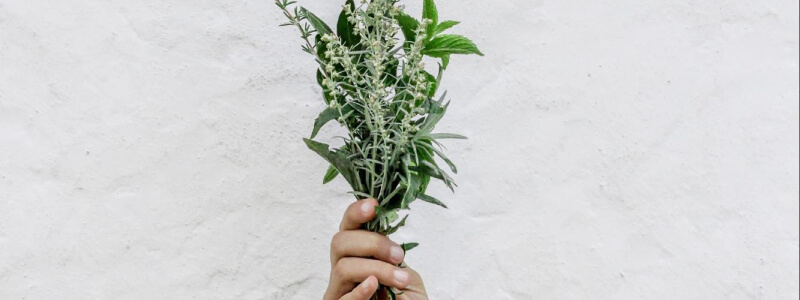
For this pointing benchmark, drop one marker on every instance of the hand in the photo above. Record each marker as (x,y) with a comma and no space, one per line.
(361,259)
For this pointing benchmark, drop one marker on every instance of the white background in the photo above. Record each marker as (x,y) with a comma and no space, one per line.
(619,150)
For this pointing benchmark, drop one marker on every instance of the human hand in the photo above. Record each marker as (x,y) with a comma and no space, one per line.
(361,259)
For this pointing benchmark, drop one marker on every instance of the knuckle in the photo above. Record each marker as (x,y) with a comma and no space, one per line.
(336,242)
(382,246)
(339,271)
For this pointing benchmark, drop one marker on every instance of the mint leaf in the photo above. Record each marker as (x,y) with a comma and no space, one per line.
(447,44)
(444,26)
(409,27)
(430,12)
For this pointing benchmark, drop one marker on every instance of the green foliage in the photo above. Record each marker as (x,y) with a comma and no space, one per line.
(448,44)
(345,29)
(379,88)
(444,26)
(408,246)
(330,175)
(409,26)
(316,22)
(430,12)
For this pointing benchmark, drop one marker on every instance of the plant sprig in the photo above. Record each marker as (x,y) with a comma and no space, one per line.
(377,86)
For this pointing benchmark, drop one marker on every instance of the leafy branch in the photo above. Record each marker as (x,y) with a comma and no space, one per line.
(378,87)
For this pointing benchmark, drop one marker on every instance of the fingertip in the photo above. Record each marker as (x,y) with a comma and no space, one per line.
(368,207)
(401,278)
(370,285)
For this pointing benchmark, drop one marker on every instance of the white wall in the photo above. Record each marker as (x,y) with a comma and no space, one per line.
(619,150)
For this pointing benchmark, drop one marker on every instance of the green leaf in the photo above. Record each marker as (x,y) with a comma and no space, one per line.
(330,114)
(330,175)
(412,188)
(424,185)
(436,112)
(430,12)
(345,29)
(431,200)
(339,160)
(316,22)
(325,93)
(430,168)
(326,116)
(444,136)
(447,44)
(433,84)
(408,246)
(321,46)
(444,26)
(394,228)
(445,61)
(409,27)
(446,160)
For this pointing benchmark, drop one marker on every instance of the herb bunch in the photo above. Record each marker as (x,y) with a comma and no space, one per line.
(376,85)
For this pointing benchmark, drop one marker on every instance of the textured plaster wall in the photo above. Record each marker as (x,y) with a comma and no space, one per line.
(619,150)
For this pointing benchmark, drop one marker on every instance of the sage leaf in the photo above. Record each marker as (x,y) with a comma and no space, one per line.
(337,159)
(442,136)
(330,175)
(431,200)
(324,117)
(316,22)
(446,160)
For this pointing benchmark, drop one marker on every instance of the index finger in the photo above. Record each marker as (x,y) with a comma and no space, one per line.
(358,213)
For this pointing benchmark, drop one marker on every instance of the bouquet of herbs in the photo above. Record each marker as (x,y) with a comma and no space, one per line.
(377,86)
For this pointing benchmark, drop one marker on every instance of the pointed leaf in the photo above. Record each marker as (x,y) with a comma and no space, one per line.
(326,116)
(411,191)
(316,22)
(338,159)
(345,29)
(398,226)
(447,44)
(409,27)
(330,175)
(443,136)
(444,26)
(408,246)
(446,160)
(430,12)
(433,84)
(431,200)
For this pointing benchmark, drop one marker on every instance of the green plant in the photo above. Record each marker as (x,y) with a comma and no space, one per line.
(376,86)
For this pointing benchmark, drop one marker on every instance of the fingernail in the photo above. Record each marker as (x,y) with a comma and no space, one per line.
(397,254)
(401,276)
(367,284)
(366,207)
